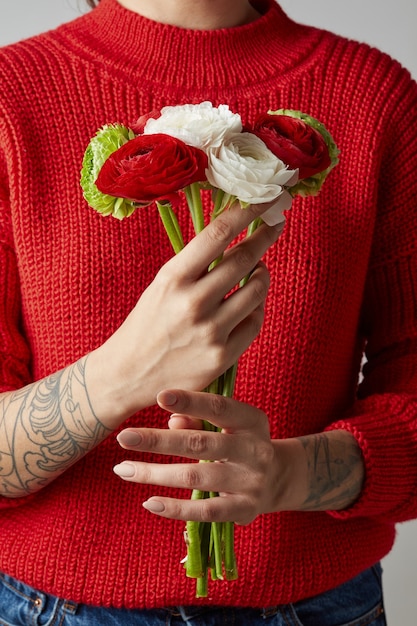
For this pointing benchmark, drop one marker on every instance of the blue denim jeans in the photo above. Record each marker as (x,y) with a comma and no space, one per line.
(355,603)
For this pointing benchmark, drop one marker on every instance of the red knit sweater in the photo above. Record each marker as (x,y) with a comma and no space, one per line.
(343,273)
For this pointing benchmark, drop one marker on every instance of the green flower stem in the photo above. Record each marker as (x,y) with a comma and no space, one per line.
(201,590)
(251,229)
(205,538)
(213,574)
(195,205)
(216,533)
(170,222)
(230,566)
(217,204)
(229,381)
(202,587)
(194,564)
(254,226)
(215,262)
(215,386)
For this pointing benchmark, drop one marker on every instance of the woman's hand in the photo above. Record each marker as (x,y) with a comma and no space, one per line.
(184,332)
(252,473)
(249,473)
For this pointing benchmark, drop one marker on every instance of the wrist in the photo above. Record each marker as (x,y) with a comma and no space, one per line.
(292,472)
(320,472)
(335,471)
(110,397)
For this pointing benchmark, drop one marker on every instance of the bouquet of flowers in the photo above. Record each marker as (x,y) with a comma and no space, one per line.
(181,151)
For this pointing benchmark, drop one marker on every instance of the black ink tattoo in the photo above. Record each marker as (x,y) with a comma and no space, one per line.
(335,472)
(46,427)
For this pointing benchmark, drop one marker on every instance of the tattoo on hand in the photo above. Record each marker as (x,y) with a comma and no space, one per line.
(55,427)
(335,472)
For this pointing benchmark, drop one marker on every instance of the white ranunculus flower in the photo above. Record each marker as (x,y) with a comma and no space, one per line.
(245,168)
(201,125)
(275,212)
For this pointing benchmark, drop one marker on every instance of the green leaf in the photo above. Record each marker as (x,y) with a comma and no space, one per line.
(106,141)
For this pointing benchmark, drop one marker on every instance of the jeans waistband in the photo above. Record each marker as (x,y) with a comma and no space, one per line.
(188,613)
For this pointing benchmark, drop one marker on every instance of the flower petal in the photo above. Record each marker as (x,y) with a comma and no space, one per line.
(275,214)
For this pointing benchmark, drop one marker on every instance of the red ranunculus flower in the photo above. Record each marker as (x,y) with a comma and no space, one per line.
(152,167)
(294,142)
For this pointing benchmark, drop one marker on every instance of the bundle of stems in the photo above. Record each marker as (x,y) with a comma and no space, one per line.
(210,545)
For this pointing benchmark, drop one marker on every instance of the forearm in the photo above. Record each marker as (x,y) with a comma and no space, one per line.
(45,428)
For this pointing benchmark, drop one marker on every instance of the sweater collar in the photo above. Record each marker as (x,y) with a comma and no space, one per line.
(194,59)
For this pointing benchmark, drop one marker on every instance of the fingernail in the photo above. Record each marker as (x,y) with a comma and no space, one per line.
(124,470)
(168,398)
(154,506)
(129,438)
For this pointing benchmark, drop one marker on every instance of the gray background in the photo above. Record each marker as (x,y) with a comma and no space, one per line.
(391,26)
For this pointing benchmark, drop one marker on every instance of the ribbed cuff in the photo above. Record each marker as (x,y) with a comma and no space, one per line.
(385,429)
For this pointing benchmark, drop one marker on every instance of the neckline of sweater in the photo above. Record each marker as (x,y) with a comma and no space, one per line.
(127,44)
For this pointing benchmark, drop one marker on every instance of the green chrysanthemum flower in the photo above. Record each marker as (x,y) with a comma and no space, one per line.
(312,185)
(106,141)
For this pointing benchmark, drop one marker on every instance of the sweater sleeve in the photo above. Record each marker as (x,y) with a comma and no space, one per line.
(384,418)
(14,351)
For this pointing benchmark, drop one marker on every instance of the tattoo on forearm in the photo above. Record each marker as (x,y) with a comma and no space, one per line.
(46,427)
(335,472)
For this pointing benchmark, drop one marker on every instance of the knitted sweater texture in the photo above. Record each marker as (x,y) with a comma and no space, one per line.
(343,276)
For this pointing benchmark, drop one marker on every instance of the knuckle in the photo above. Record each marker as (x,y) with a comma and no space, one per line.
(197,443)
(244,257)
(173,274)
(184,401)
(209,512)
(272,235)
(213,338)
(260,288)
(143,473)
(247,514)
(265,455)
(165,276)
(174,510)
(263,273)
(218,405)
(220,230)
(186,308)
(153,439)
(190,477)
(221,358)
(211,331)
